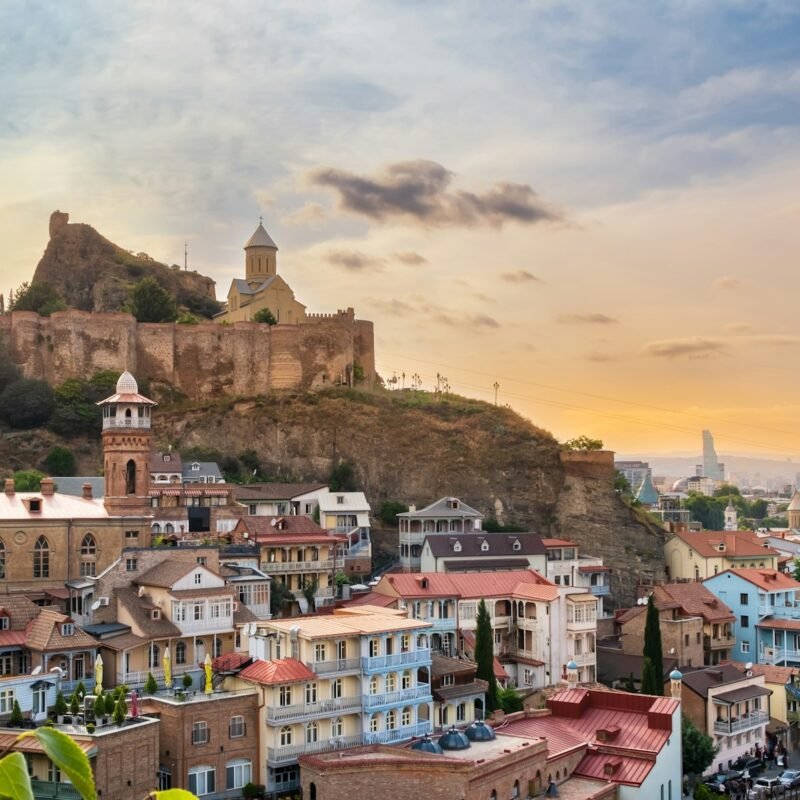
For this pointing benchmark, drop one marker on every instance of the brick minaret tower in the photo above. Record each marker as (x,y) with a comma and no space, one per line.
(127,444)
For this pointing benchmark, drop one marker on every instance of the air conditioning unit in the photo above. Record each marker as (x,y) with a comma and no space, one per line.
(103,601)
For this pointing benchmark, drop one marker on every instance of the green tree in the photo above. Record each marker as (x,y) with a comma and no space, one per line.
(120,711)
(621,485)
(60,461)
(582,443)
(16,718)
(187,681)
(187,318)
(265,316)
(509,699)
(26,403)
(28,480)
(40,297)
(484,654)
(309,591)
(343,478)
(389,510)
(758,509)
(251,463)
(74,703)
(9,371)
(708,511)
(150,302)
(279,597)
(653,671)
(491,525)
(151,684)
(60,707)
(726,490)
(698,748)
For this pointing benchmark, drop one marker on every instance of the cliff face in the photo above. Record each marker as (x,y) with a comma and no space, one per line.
(94,274)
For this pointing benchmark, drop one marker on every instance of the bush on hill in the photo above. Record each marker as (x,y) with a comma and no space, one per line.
(42,298)
(26,403)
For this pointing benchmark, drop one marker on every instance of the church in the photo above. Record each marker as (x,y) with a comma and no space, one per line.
(261,288)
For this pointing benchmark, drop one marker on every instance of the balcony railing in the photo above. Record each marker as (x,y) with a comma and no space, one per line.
(421,691)
(206,626)
(584,659)
(291,752)
(600,591)
(299,566)
(778,654)
(334,667)
(411,657)
(398,734)
(137,679)
(786,612)
(745,722)
(439,623)
(45,790)
(717,642)
(125,422)
(299,711)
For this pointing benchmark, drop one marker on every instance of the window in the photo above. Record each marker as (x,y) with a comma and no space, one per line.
(201,780)
(391,720)
(2,559)
(6,701)
(337,727)
(686,640)
(67,629)
(448,680)
(180,653)
(743,599)
(374,684)
(336,688)
(405,717)
(41,558)
(286,736)
(35,505)
(4,623)
(391,682)
(461,712)
(285,696)
(202,560)
(312,732)
(311,693)
(153,653)
(405,679)
(697,637)
(405,643)
(200,732)
(340,499)
(131,535)
(131,565)
(88,546)
(744,621)
(745,647)
(319,652)
(237,773)
(527,677)
(374,647)
(373,723)
(198,578)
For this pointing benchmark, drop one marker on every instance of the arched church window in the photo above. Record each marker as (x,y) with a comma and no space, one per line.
(88,545)
(130,477)
(41,558)
(2,559)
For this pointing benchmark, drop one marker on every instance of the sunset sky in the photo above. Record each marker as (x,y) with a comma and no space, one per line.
(594,204)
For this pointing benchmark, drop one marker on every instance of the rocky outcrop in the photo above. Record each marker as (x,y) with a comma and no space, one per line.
(94,274)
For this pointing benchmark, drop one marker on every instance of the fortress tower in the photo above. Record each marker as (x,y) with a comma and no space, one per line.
(127,444)
(261,256)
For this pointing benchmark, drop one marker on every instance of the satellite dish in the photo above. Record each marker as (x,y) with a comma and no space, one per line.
(273,521)
(37,670)
(95,605)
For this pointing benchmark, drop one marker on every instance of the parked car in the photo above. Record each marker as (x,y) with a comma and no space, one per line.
(769,787)
(790,778)
(718,782)
(752,766)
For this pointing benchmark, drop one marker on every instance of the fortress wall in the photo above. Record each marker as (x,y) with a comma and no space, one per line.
(201,361)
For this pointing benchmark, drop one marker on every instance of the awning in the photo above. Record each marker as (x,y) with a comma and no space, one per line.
(745,693)
(362,520)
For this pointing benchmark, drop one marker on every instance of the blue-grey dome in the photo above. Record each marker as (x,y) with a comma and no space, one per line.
(453,740)
(479,731)
(427,745)
(675,675)
(572,665)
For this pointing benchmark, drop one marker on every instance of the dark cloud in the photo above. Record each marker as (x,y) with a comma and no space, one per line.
(419,192)
(587,318)
(693,347)
(519,276)
(354,260)
(410,257)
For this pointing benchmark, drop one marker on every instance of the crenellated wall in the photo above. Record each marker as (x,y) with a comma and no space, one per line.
(201,361)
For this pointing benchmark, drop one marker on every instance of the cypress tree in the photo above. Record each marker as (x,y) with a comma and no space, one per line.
(653,666)
(484,654)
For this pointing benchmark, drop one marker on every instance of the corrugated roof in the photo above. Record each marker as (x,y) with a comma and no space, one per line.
(768,579)
(277,526)
(275,491)
(352,502)
(779,675)
(372,599)
(320,626)
(465,585)
(779,624)
(165,573)
(488,563)
(701,680)
(558,543)
(745,693)
(139,609)
(12,742)
(271,673)
(74,486)
(166,462)
(461,690)
(738,544)
(626,769)
(443,545)
(442,508)
(696,600)
(55,506)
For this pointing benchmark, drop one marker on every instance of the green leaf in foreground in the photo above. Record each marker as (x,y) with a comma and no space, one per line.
(173,794)
(63,752)
(14,781)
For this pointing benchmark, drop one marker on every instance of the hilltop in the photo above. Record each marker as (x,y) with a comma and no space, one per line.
(413,447)
(93,274)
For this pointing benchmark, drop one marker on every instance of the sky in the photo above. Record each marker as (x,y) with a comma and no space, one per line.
(593,205)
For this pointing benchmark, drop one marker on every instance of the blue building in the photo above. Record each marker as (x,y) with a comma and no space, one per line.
(767,608)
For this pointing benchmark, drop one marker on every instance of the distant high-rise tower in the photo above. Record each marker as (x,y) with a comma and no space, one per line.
(711,466)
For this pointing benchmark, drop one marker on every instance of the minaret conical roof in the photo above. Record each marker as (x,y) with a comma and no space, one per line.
(795,504)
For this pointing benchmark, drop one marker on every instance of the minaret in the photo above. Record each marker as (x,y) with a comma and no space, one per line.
(572,675)
(675,684)
(261,256)
(127,445)
(794,511)
(731,517)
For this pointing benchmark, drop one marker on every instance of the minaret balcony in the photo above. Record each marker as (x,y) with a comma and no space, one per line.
(112,423)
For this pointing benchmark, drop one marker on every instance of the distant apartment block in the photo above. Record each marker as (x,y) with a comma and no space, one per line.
(635,472)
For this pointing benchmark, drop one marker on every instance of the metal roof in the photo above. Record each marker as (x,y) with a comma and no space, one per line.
(442,508)
(745,693)
(260,238)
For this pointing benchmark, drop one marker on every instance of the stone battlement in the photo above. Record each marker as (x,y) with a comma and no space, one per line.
(201,361)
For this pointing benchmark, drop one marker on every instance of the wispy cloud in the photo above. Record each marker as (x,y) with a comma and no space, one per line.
(519,276)
(311,215)
(727,282)
(418,192)
(410,257)
(740,327)
(691,347)
(354,261)
(599,357)
(586,318)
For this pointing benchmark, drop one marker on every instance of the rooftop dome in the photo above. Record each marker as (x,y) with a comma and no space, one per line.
(675,675)
(127,384)
(453,740)
(427,745)
(572,665)
(479,731)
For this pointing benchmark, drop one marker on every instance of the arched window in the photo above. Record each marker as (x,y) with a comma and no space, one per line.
(88,545)
(180,653)
(515,790)
(130,477)
(312,732)
(374,684)
(2,559)
(153,654)
(337,727)
(286,735)
(312,791)
(41,558)
(391,720)
(405,718)
(493,795)
(373,723)
(156,528)
(237,773)
(391,682)
(169,528)
(406,679)
(201,780)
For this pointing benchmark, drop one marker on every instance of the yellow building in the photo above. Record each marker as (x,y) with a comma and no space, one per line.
(697,555)
(262,287)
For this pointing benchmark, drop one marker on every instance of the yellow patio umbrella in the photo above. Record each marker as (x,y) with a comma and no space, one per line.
(207,666)
(98,674)
(167,662)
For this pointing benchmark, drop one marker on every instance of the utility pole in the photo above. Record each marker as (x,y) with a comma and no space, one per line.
(185,256)
(496,387)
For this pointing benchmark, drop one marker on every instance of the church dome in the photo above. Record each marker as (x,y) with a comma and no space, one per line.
(260,239)
(479,731)
(427,745)
(453,740)
(127,384)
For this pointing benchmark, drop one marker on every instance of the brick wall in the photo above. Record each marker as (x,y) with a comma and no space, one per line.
(127,761)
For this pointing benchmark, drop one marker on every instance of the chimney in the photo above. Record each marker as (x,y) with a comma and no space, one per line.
(9,486)
(87,491)
(47,487)
(412,508)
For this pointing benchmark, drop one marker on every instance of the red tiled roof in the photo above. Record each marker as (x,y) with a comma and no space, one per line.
(373,599)
(285,670)
(466,585)
(779,624)
(594,568)
(558,543)
(12,638)
(629,770)
(768,579)
(271,526)
(738,544)
(230,662)
(779,675)
(499,670)
(696,600)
